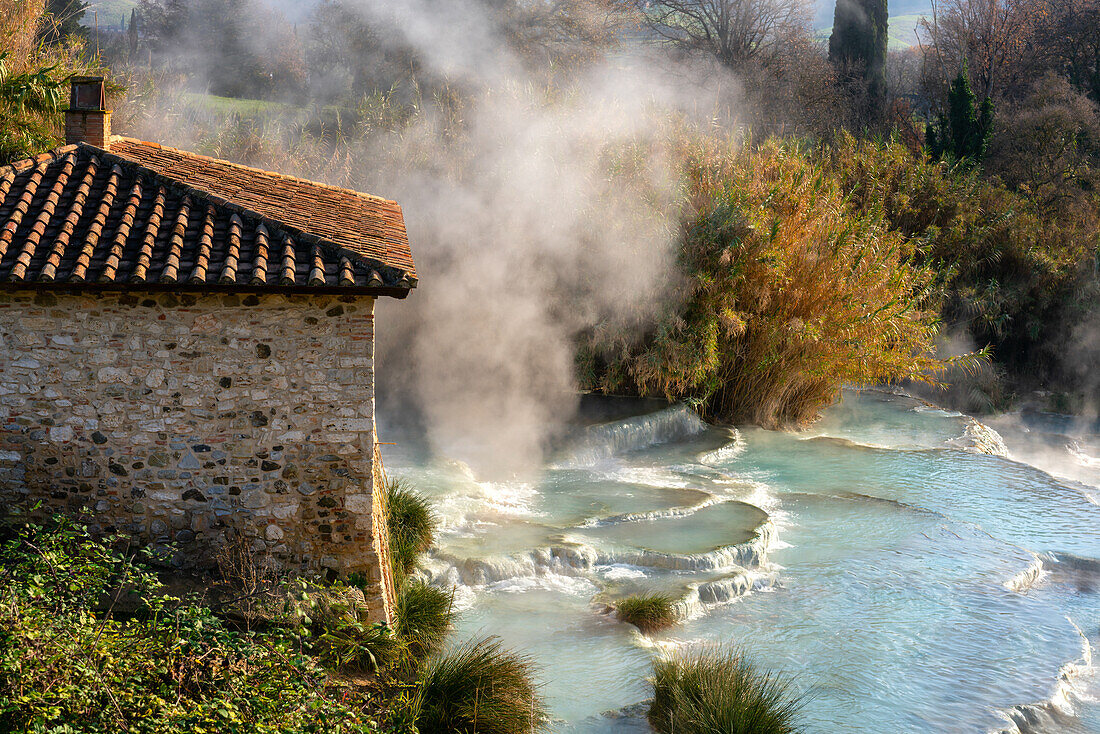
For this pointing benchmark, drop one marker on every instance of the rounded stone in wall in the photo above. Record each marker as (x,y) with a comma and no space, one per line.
(273,532)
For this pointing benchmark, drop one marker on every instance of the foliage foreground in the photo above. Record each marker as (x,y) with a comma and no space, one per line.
(479,687)
(411,523)
(91,642)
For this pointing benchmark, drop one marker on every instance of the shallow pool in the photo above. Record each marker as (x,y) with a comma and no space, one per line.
(912,570)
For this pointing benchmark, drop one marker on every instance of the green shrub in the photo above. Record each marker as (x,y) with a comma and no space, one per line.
(411,524)
(1017,276)
(648,612)
(479,687)
(345,639)
(716,691)
(73,659)
(423,616)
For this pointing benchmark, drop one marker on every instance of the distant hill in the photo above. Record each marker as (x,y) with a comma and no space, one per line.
(905,15)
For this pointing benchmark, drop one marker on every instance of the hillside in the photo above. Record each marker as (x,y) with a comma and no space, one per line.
(110,12)
(904,17)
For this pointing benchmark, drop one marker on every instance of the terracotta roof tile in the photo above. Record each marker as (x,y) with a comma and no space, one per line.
(144,216)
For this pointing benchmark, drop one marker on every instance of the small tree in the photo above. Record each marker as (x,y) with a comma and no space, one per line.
(733,31)
(962,132)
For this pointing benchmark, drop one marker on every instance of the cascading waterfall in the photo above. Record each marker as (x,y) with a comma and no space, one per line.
(869,551)
(608,439)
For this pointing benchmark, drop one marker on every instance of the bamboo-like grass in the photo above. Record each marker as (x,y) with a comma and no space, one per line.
(479,687)
(648,612)
(791,293)
(718,691)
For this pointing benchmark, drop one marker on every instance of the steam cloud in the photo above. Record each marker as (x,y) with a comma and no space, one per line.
(520,237)
(520,245)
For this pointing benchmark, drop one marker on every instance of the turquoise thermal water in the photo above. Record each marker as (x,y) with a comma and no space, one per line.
(906,576)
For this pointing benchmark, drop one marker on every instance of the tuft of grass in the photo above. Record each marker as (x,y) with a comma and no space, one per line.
(411,524)
(648,612)
(479,687)
(719,690)
(423,616)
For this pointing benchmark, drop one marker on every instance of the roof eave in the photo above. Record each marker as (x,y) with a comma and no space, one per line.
(204,288)
(271,222)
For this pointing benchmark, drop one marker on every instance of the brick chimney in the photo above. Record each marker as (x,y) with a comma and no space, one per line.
(87,120)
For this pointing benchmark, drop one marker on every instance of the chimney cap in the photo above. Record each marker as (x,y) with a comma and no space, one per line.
(88,93)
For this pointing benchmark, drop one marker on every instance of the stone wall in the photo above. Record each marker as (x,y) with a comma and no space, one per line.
(191,420)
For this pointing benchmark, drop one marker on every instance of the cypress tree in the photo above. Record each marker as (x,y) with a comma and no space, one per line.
(857,47)
(962,131)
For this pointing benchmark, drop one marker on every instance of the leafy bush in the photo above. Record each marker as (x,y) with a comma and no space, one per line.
(423,616)
(32,78)
(346,639)
(89,643)
(1015,275)
(648,612)
(411,524)
(791,294)
(715,691)
(479,687)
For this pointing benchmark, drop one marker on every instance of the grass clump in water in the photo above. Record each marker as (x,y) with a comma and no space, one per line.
(718,691)
(648,612)
(423,617)
(411,524)
(480,687)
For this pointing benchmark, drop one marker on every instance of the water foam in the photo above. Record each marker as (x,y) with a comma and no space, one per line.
(932,409)
(608,439)
(597,522)
(1024,581)
(725,454)
(1081,457)
(574,558)
(981,439)
(1056,713)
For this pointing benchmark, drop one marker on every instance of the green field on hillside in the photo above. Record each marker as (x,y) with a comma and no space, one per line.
(900,30)
(109,12)
(254,108)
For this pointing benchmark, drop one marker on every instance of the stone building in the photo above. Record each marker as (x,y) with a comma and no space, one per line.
(187,349)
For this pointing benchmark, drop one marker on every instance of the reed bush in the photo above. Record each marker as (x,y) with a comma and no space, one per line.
(411,523)
(791,293)
(718,691)
(1016,275)
(479,687)
(423,616)
(33,73)
(648,612)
